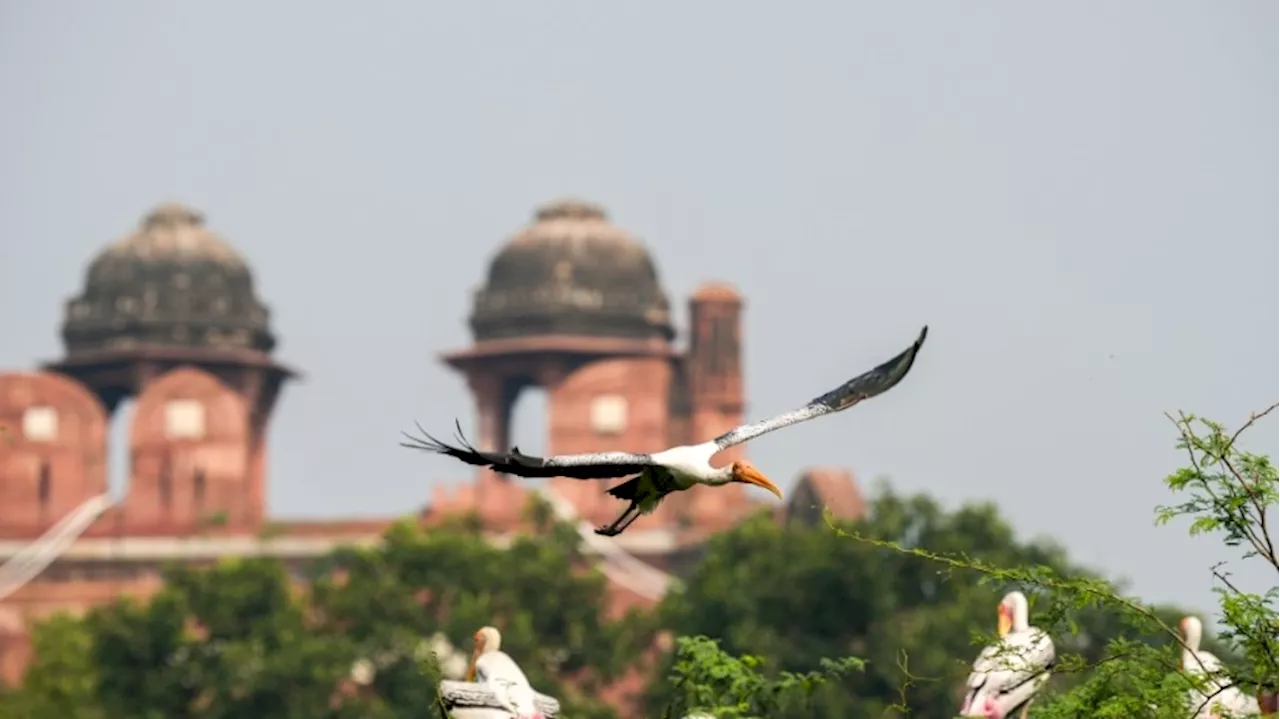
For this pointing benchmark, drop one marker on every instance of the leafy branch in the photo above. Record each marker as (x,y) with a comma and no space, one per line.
(713,683)
(1231,491)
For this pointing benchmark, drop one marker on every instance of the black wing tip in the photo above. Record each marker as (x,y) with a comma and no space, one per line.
(914,349)
(901,364)
(428,443)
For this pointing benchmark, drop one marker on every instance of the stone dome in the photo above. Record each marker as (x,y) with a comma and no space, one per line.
(572,272)
(171,283)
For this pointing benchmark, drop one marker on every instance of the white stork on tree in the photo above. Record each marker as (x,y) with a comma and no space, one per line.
(1007,674)
(1219,698)
(679,468)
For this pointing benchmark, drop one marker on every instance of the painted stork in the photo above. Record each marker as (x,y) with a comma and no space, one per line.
(501,674)
(678,468)
(1007,674)
(1226,700)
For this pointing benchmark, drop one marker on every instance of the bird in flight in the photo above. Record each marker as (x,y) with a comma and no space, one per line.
(679,468)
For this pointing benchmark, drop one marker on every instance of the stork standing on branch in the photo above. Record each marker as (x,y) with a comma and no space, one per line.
(678,468)
(1009,673)
(1217,697)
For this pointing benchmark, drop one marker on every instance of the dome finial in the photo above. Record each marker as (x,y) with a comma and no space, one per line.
(172,213)
(570,208)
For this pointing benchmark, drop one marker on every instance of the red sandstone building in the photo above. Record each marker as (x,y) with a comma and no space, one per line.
(168,317)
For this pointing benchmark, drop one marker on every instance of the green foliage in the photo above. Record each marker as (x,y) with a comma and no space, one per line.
(1226,490)
(911,590)
(63,684)
(1229,491)
(229,641)
(707,680)
(240,639)
(916,616)
(454,581)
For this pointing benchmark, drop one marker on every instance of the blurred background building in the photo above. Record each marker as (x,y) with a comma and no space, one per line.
(168,317)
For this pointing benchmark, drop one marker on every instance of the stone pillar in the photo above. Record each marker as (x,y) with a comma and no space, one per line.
(493,411)
(493,431)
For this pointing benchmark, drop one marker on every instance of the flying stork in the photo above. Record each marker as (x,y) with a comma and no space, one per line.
(679,468)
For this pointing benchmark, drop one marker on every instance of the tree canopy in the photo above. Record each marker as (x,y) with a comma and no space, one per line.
(797,593)
(876,618)
(241,639)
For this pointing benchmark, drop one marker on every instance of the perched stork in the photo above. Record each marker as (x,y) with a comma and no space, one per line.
(501,674)
(1226,700)
(1007,674)
(678,468)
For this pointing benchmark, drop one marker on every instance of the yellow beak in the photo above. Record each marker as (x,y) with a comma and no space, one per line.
(751,475)
(1005,624)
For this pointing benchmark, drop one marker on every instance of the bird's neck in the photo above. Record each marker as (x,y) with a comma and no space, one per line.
(720,476)
(1021,622)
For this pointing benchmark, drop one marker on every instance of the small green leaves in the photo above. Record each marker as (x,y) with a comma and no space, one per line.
(708,680)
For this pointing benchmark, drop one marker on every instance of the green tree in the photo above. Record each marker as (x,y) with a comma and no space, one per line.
(1138,674)
(794,594)
(62,684)
(708,681)
(241,639)
(538,591)
(227,641)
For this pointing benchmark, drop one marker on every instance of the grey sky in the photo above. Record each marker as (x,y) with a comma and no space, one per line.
(1078,198)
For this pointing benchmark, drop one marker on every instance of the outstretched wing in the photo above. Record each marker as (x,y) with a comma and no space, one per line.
(599,465)
(864,386)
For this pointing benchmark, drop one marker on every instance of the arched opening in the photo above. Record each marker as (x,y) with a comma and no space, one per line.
(45,488)
(119,453)
(528,427)
(197,490)
(166,484)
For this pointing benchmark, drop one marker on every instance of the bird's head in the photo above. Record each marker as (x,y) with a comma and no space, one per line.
(1005,622)
(1013,613)
(487,639)
(1190,629)
(746,472)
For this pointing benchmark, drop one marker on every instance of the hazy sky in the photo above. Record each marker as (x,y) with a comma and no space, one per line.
(1078,198)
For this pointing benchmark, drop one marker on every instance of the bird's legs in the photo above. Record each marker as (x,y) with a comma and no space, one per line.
(624,520)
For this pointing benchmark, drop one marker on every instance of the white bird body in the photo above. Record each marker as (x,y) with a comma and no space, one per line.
(500,673)
(507,682)
(691,462)
(1228,701)
(1007,675)
(658,474)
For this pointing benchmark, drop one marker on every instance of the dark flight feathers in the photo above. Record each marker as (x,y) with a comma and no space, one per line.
(661,478)
(875,381)
(865,386)
(625,491)
(513,462)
